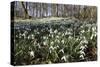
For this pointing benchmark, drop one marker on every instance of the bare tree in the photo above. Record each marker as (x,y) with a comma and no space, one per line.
(25,9)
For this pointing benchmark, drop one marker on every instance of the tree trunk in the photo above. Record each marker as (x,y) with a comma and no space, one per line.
(25,10)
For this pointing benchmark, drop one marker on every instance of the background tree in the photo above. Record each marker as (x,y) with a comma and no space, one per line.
(41,10)
(24,6)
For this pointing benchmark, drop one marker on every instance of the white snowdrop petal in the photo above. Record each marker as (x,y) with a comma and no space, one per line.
(64,58)
(32,54)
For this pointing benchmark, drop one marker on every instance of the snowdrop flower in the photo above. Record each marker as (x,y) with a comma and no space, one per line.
(95,34)
(84,37)
(51,47)
(16,35)
(49,62)
(92,37)
(28,37)
(52,43)
(55,31)
(82,47)
(62,41)
(70,37)
(20,35)
(49,35)
(82,52)
(58,41)
(59,33)
(66,33)
(81,26)
(32,54)
(89,30)
(81,56)
(62,50)
(64,58)
(44,37)
(85,45)
(51,31)
(69,33)
(32,36)
(50,51)
(77,39)
(47,38)
(52,35)
(55,40)
(45,43)
(37,32)
(69,29)
(24,34)
(38,45)
(63,34)
(93,28)
(56,47)
(57,36)
(30,48)
(82,31)
(84,41)
(35,42)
